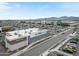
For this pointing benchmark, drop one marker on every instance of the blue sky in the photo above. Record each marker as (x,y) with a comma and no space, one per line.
(32,10)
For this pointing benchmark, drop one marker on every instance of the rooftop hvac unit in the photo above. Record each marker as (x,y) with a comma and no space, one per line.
(25,31)
(15,34)
(19,35)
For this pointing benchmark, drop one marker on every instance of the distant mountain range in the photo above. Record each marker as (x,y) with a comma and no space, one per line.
(60,18)
(52,18)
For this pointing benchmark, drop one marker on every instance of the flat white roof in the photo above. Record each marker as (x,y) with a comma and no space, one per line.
(40,32)
(32,32)
(13,35)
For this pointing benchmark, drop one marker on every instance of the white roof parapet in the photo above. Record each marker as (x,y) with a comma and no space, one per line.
(13,35)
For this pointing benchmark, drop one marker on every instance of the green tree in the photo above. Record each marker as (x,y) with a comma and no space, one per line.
(59,22)
(52,23)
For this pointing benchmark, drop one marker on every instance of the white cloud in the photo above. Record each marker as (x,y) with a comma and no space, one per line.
(3,3)
(4,6)
(17,5)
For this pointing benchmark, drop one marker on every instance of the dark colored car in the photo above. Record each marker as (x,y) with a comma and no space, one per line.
(63,33)
(73,42)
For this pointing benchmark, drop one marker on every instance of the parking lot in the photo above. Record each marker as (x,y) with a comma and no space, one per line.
(70,47)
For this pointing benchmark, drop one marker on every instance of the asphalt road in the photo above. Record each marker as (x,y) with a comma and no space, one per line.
(43,46)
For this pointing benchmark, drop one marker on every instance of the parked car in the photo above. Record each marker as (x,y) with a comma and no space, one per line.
(75,42)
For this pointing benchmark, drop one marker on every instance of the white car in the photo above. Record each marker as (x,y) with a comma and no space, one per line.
(72,44)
